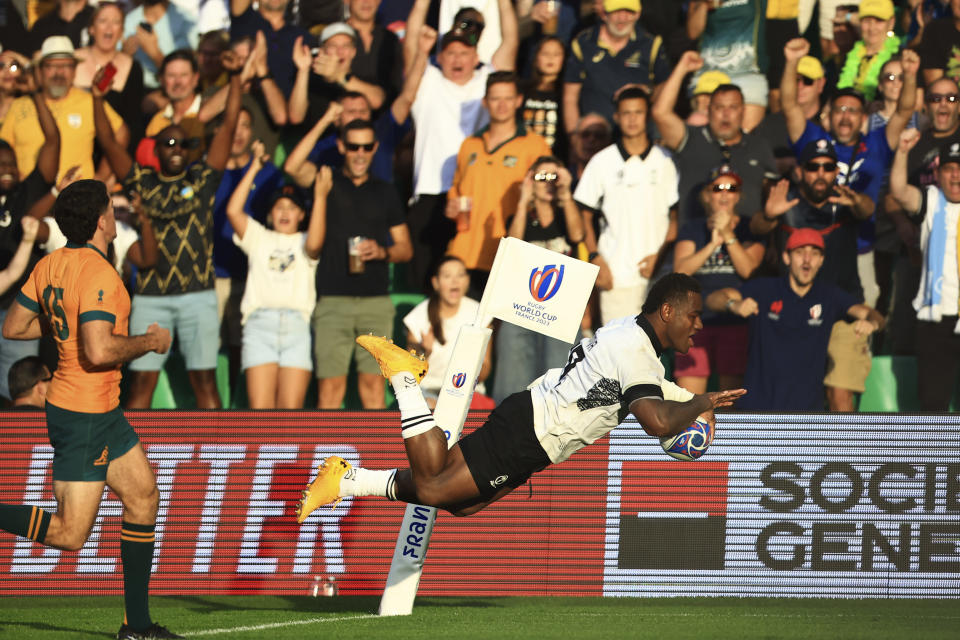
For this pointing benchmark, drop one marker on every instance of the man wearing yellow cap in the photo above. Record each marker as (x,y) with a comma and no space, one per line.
(810,84)
(604,58)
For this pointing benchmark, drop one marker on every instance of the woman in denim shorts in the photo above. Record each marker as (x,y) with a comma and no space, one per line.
(280,292)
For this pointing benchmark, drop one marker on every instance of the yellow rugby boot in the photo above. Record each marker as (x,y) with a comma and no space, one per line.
(392,359)
(325,488)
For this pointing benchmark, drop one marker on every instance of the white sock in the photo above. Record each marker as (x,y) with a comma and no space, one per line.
(369,482)
(415,416)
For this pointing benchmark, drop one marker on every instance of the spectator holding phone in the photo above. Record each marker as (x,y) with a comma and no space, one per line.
(124,75)
(280,293)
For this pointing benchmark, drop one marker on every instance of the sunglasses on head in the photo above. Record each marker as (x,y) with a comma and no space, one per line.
(726,186)
(357,146)
(544,176)
(937,98)
(813,167)
(183,143)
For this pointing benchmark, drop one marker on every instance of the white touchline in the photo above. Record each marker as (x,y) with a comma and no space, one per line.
(276,625)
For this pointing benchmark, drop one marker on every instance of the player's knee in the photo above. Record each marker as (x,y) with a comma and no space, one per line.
(143,507)
(73,540)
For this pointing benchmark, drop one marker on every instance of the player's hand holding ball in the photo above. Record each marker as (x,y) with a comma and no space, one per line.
(692,442)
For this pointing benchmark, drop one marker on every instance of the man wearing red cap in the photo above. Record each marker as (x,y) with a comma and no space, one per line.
(790,323)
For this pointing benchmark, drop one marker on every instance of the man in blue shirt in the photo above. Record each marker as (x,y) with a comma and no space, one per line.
(790,324)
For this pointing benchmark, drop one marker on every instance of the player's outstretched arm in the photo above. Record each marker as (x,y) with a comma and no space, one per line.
(105,349)
(666,418)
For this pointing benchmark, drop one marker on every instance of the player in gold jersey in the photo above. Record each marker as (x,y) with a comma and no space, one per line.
(76,294)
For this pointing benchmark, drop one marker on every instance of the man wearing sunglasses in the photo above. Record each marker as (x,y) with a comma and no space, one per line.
(178,291)
(350,301)
(820,203)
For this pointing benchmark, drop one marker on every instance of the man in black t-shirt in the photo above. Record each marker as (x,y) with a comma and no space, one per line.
(17,197)
(365,230)
(940,45)
(178,291)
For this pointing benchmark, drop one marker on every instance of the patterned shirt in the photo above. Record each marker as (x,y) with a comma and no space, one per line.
(181,212)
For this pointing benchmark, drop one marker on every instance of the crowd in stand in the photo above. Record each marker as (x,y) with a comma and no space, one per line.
(281,167)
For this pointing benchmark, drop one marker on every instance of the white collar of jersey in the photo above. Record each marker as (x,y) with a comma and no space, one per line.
(644,324)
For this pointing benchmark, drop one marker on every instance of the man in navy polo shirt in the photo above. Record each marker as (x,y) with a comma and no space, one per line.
(608,56)
(790,323)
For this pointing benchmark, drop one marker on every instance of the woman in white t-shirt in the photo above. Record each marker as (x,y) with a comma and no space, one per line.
(280,292)
(433,325)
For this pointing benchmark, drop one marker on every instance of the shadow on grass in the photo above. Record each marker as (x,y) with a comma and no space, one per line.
(308,604)
(43,626)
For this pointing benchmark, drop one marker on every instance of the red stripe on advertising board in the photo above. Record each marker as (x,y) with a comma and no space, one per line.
(245,540)
(671,487)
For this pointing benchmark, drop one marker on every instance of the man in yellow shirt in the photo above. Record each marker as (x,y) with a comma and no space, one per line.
(76,292)
(491,165)
(72,109)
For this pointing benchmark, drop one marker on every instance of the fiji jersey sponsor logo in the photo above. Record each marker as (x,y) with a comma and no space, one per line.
(458,379)
(545,282)
(815,312)
(498,481)
(775,308)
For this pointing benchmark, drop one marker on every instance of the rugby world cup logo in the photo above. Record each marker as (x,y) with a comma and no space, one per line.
(545,282)
(458,380)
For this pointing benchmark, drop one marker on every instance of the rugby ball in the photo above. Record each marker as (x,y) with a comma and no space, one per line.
(691,443)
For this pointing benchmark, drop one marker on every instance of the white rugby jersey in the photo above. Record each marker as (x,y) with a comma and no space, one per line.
(576,405)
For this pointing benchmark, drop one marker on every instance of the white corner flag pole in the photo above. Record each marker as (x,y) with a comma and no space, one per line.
(529,286)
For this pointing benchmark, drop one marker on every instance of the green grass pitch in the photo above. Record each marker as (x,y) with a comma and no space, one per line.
(281,618)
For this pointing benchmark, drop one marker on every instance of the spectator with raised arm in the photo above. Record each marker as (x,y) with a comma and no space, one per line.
(447,109)
(179,84)
(281,291)
(615,52)
(698,150)
(262,98)
(270,18)
(379,58)
(938,300)
(834,210)
(73,111)
(313,151)
(365,232)
(178,292)
(125,93)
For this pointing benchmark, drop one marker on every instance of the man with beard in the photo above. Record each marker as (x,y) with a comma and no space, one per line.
(790,320)
(16,198)
(179,77)
(178,291)
(819,203)
(72,109)
(698,150)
